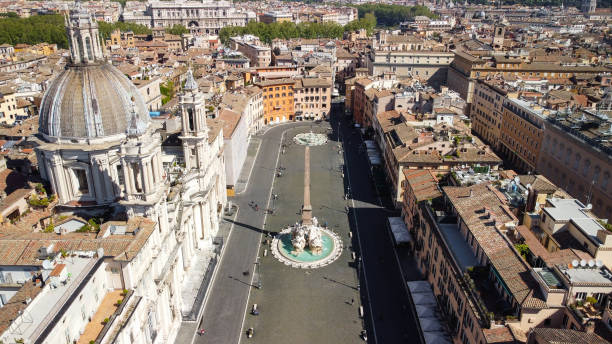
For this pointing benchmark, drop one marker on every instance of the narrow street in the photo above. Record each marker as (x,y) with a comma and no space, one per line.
(393,323)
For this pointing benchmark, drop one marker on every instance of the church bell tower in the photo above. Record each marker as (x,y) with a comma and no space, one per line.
(195,130)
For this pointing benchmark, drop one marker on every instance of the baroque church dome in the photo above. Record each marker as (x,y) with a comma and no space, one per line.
(91,98)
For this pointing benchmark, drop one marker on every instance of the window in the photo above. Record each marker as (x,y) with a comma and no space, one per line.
(596,174)
(88,44)
(580,296)
(120,174)
(190,119)
(137,180)
(587,166)
(81,177)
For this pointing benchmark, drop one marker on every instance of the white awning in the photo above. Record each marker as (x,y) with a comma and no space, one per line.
(399,230)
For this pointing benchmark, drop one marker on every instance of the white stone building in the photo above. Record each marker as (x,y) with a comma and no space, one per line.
(198,16)
(100,153)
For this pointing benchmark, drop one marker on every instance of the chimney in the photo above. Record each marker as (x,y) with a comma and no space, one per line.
(471,192)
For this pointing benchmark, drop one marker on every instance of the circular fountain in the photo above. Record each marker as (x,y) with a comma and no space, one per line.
(306,246)
(310,139)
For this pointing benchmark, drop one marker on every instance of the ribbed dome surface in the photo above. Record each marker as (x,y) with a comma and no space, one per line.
(88,101)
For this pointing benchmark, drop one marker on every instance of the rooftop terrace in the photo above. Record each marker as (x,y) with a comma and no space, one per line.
(49,302)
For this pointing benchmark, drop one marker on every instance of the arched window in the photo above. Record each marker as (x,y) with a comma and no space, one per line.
(190,119)
(596,174)
(568,156)
(81,53)
(587,166)
(90,55)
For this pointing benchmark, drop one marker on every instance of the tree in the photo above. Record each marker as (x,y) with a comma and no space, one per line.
(177,30)
(167,91)
(392,15)
(105,28)
(33,30)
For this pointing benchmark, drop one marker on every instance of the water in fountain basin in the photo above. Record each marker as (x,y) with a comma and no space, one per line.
(286,249)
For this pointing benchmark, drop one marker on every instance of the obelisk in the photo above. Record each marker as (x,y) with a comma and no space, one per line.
(307,208)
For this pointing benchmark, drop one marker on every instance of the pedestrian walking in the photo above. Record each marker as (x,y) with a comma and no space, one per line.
(352,302)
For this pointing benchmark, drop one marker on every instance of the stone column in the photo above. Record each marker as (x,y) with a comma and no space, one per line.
(197,210)
(202,221)
(307,208)
(207,229)
(143,176)
(96,180)
(149,176)
(60,181)
(131,178)
(107,179)
(127,178)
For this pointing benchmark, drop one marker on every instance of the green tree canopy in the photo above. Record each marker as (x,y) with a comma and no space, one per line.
(177,30)
(392,15)
(106,28)
(288,30)
(33,30)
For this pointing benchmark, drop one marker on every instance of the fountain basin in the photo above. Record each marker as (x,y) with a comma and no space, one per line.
(283,250)
(286,249)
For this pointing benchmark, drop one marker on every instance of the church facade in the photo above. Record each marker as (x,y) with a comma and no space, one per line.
(100,154)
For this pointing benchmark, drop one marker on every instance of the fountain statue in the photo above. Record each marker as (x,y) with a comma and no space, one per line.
(307,233)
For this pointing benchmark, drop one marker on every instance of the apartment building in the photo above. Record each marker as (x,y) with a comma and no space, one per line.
(10,111)
(486,113)
(482,284)
(521,136)
(366,91)
(577,155)
(149,90)
(275,17)
(466,68)
(430,66)
(247,101)
(312,98)
(278,100)
(251,47)
(121,39)
(428,144)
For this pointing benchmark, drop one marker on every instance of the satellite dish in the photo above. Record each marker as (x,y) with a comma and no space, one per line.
(575,263)
(591,263)
(47,264)
(583,263)
(589,206)
(599,263)
(528,186)
(517,179)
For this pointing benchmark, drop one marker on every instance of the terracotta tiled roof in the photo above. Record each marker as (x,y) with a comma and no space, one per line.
(483,209)
(498,335)
(10,311)
(565,336)
(423,183)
